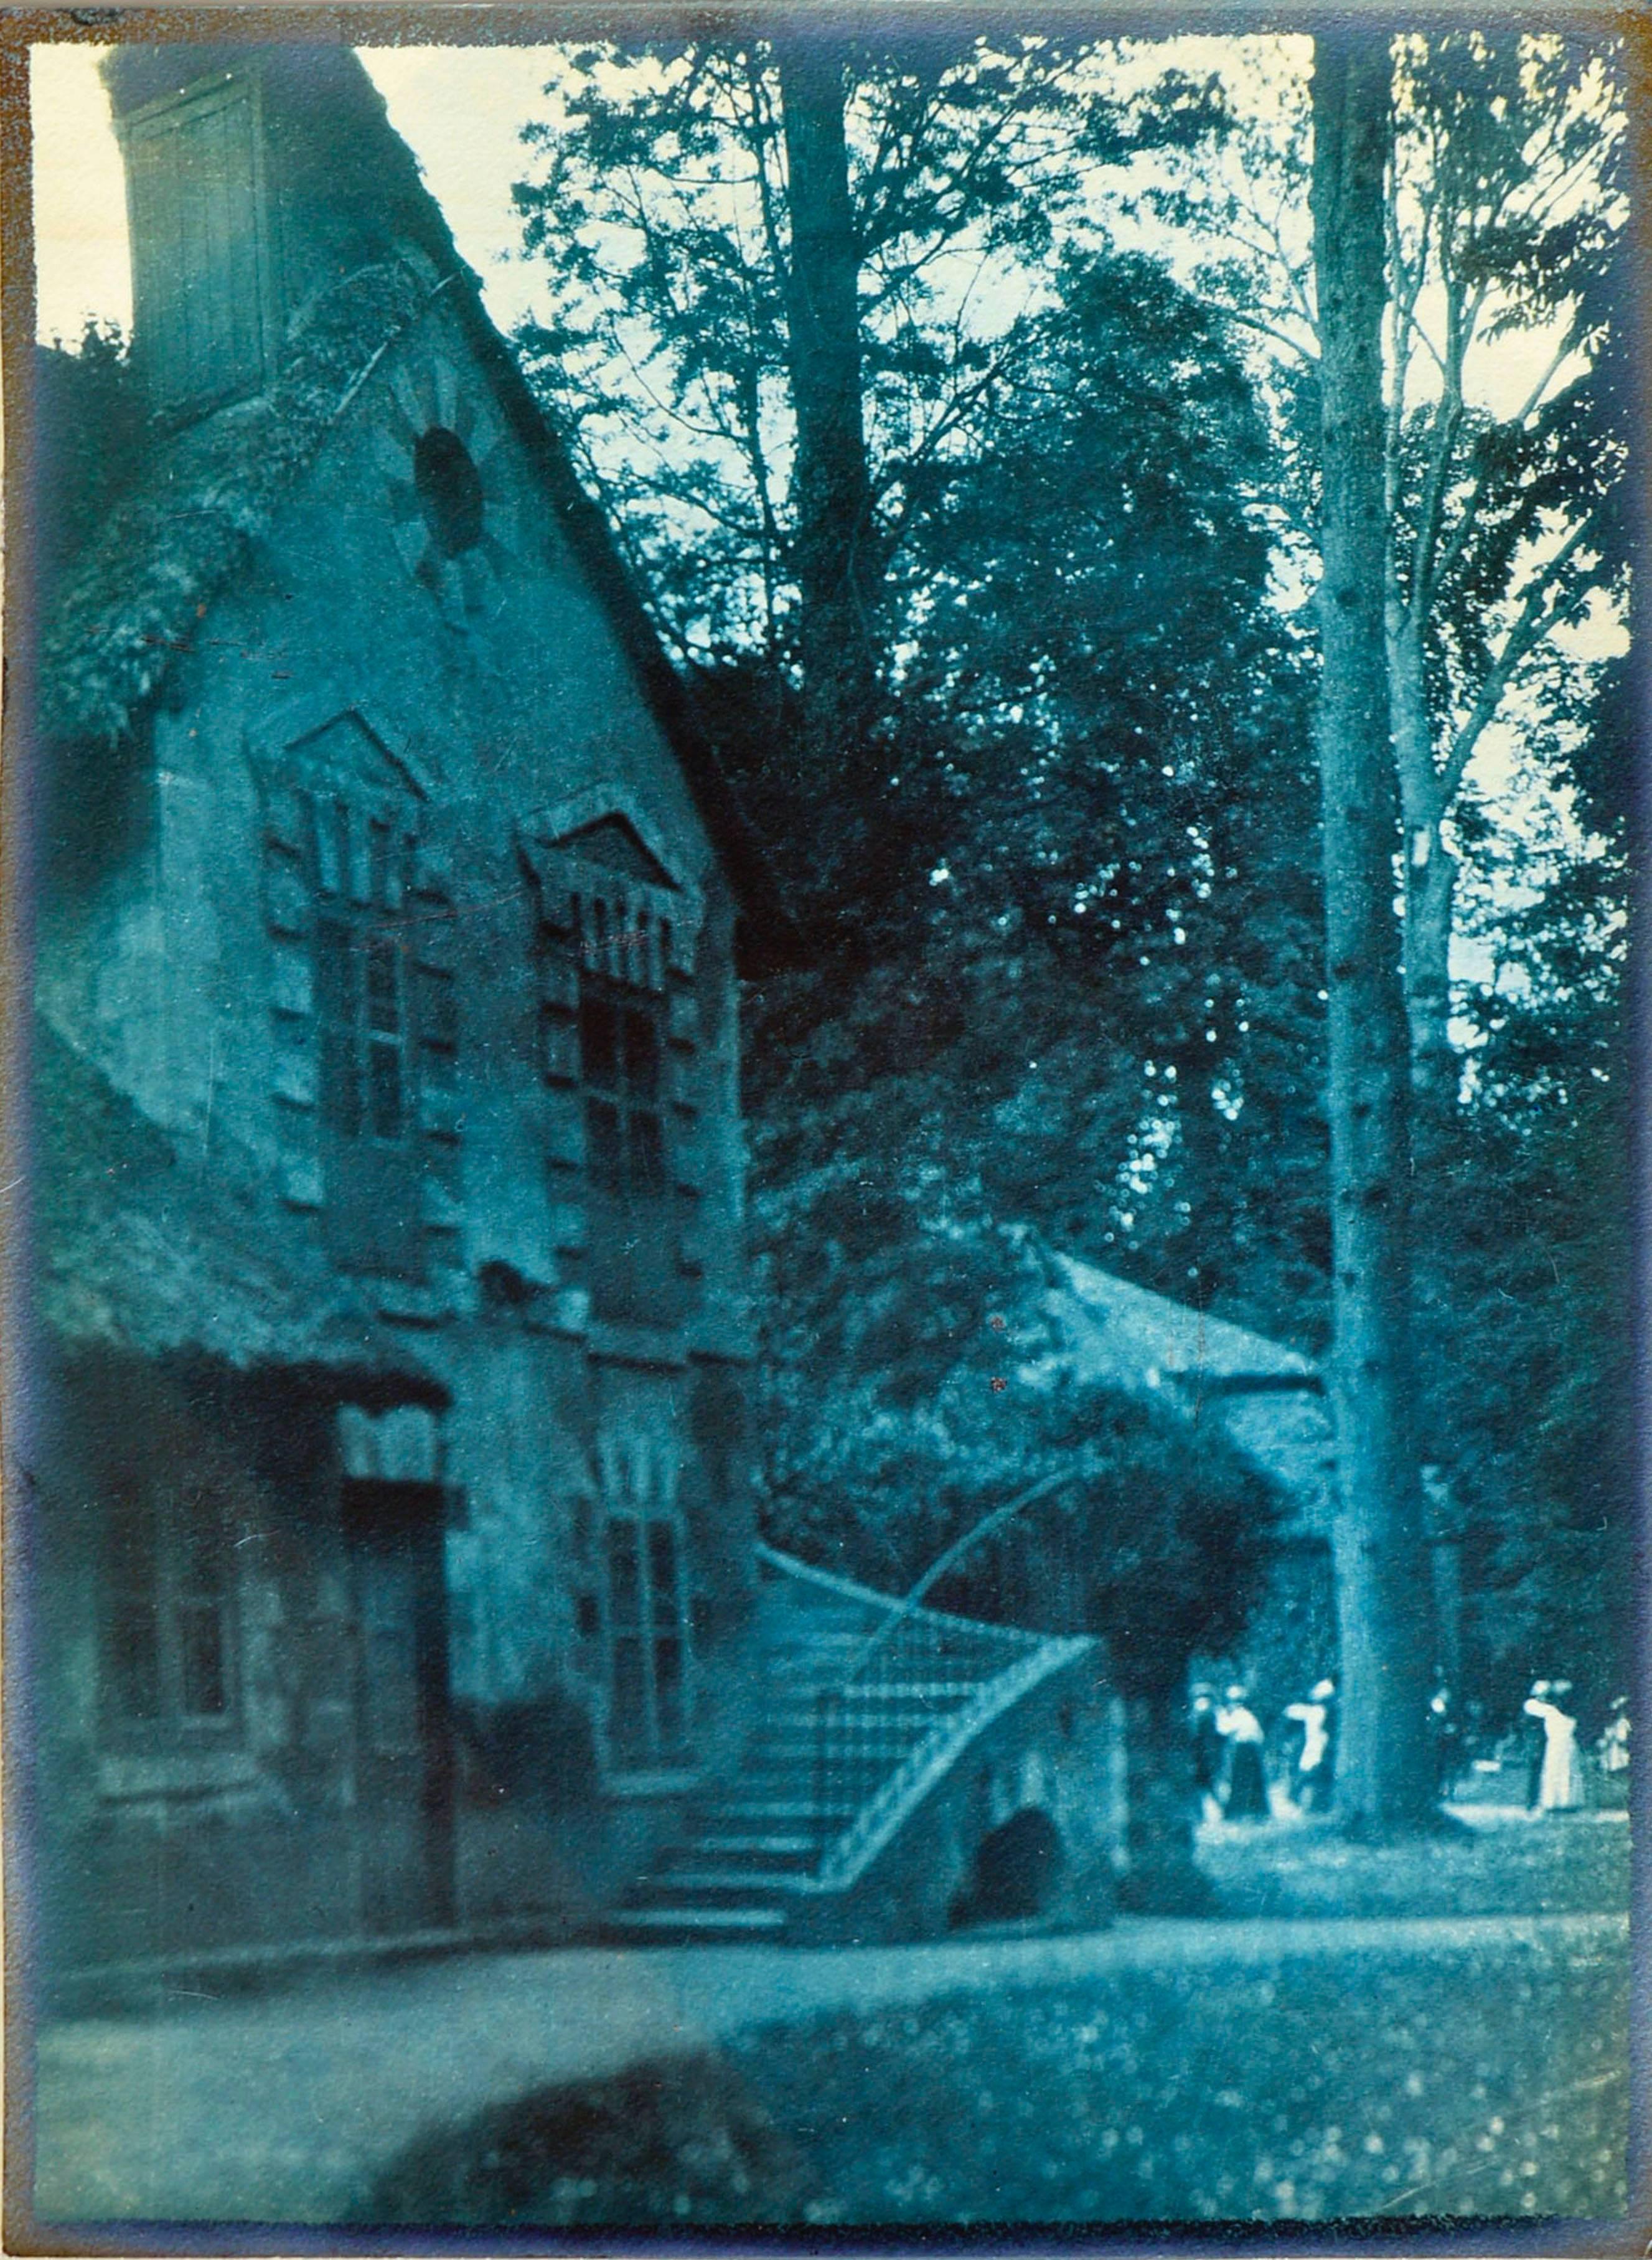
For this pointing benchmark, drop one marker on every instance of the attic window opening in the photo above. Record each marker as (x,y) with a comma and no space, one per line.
(448,486)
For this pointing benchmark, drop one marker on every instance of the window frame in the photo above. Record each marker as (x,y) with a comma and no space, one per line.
(361,939)
(630,1179)
(166,1526)
(382,1031)
(649,1631)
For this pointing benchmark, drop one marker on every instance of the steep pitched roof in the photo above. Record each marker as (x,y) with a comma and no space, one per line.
(1268,1399)
(137,1247)
(130,603)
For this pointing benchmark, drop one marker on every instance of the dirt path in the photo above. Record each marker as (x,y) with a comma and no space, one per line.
(287,2107)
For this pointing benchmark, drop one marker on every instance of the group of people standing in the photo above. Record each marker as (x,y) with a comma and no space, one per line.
(1230,1752)
(1233,1760)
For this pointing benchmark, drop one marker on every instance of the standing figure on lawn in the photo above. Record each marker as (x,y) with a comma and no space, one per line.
(1205,1739)
(1559,1781)
(1536,1741)
(1246,1786)
(1316,1760)
(1444,1740)
(1613,1745)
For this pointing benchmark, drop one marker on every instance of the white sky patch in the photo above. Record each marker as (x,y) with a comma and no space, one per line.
(82,269)
(461,109)
(461,112)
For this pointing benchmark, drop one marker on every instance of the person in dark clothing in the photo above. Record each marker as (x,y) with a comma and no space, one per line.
(1444,1742)
(1246,1798)
(1206,1744)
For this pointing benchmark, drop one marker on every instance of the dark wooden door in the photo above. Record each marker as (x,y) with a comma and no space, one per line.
(404,1756)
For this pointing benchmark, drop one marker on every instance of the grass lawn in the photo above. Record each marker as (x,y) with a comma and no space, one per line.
(1448,2078)
(1453,2079)
(1496,1863)
(1452,2083)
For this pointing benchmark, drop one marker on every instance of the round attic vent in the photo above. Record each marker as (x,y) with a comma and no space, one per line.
(450,491)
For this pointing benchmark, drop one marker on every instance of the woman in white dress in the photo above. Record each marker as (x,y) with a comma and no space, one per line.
(1560,1787)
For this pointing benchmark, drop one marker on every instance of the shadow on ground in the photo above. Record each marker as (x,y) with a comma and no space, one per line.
(670,2143)
(1482,2081)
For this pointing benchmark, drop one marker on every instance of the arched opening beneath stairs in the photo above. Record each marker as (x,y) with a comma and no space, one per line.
(1017,1867)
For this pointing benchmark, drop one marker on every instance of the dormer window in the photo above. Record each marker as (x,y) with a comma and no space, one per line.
(617,1032)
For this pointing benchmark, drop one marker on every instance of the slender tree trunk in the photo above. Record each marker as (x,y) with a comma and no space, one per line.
(836,557)
(1430,881)
(1382,1596)
(1162,1876)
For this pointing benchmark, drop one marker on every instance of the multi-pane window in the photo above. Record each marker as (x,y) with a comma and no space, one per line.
(648,1641)
(616,1026)
(168,1629)
(364,1030)
(384,1026)
(620,1058)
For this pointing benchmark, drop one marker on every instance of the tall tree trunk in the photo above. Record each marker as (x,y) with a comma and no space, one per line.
(1162,1876)
(1430,880)
(1383,1597)
(836,563)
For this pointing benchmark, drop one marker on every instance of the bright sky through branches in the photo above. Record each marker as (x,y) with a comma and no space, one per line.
(461,109)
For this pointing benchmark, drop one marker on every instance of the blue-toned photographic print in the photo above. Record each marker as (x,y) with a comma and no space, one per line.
(821,831)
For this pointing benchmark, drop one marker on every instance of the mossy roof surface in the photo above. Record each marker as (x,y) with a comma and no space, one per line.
(130,603)
(137,1242)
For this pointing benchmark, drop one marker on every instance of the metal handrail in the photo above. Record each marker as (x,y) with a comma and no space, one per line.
(855,1762)
(949,1560)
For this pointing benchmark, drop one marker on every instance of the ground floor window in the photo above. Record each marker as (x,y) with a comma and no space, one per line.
(168,1648)
(648,1641)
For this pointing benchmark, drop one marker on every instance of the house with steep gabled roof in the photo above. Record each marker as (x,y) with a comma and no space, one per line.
(393,1572)
(389,1445)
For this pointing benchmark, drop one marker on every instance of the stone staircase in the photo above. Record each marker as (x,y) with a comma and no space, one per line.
(853,1734)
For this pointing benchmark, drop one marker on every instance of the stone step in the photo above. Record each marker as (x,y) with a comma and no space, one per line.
(692,1921)
(699,1882)
(775,1808)
(917,1690)
(788,1847)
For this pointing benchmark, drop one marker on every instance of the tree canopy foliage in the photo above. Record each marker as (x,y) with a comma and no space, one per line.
(1059,872)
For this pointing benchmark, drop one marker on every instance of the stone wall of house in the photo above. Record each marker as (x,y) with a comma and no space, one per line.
(484,706)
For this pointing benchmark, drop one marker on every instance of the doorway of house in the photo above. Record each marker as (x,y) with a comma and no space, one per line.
(404,1753)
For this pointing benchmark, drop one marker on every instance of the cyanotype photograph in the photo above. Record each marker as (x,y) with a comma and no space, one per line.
(820,1201)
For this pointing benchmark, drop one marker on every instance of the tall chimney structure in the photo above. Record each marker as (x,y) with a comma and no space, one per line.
(249,190)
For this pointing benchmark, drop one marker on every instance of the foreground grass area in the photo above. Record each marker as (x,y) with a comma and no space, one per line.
(1562,1864)
(1451,2081)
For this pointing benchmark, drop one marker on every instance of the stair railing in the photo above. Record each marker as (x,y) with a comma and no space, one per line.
(866,1723)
